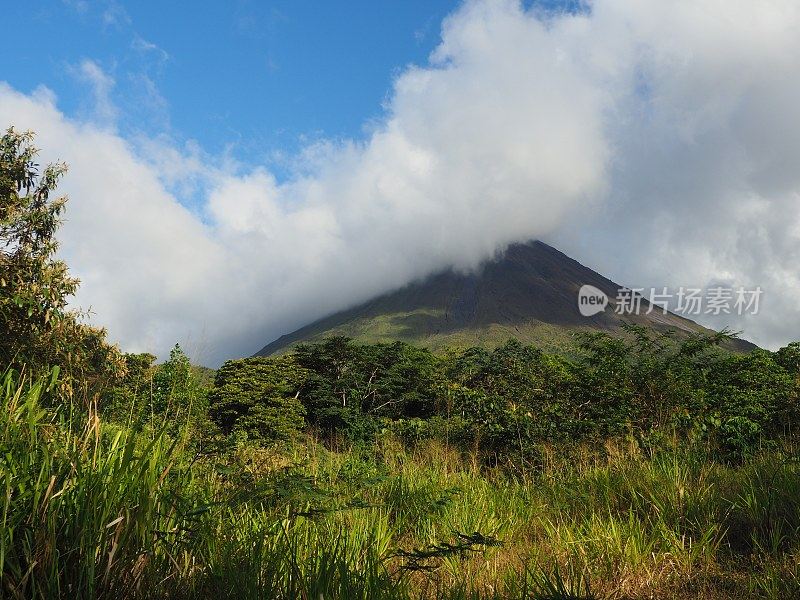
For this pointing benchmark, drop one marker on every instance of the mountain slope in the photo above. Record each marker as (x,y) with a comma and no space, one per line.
(530,293)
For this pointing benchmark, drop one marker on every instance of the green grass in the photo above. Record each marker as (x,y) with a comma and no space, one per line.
(96,510)
(428,328)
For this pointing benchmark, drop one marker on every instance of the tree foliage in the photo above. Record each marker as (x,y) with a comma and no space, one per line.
(350,386)
(37,328)
(170,396)
(258,397)
(511,400)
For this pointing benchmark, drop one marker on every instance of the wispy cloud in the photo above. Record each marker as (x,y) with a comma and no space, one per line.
(110,13)
(114,14)
(141,45)
(102,85)
(151,101)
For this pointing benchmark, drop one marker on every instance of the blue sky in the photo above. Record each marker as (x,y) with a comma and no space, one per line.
(254,77)
(263,76)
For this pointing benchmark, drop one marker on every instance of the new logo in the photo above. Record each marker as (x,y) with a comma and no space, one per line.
(591,300)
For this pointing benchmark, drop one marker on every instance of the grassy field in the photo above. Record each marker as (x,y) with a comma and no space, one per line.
(91,509)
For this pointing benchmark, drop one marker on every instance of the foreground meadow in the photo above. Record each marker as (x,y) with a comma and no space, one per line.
(92,509)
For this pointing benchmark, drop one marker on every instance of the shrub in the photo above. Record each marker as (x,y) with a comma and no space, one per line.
(258,397)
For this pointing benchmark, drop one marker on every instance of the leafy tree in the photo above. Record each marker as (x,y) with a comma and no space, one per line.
(508,401)
(177,395)
(669,376)
(604,392)
(37,329)
(512,396)
(139,372)
(170,396)
(400,380)
(351,386)
(173,384)
(748,395)
(259,397)
(127,400)
(333,391)
(789,358)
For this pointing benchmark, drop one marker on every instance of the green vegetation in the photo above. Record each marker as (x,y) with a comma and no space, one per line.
(36,327)
(643,467)
(92,508)
(258,398)
(421,328)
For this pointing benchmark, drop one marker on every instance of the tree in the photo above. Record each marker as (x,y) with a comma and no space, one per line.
(259,397)
(789,358)
(750,395)
(37,329)
(128,399)
(510,397)
(352,386)
(603,394)
(173,384)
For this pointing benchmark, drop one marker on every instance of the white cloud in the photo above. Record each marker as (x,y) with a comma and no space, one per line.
(705,184)
(654,141)
(110,12)
(143,46)
(102,84)
(114,14)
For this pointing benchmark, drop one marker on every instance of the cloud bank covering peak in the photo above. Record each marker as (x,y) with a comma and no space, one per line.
(656,142)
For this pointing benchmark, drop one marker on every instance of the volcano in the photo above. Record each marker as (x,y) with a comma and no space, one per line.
(530,292)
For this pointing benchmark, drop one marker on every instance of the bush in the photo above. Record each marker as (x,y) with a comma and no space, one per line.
(351,386)
(259,397)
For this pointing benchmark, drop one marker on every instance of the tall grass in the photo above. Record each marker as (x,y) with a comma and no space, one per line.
(97,510)
(82,504)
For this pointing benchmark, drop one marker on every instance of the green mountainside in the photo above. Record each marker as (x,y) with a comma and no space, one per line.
(529,293)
